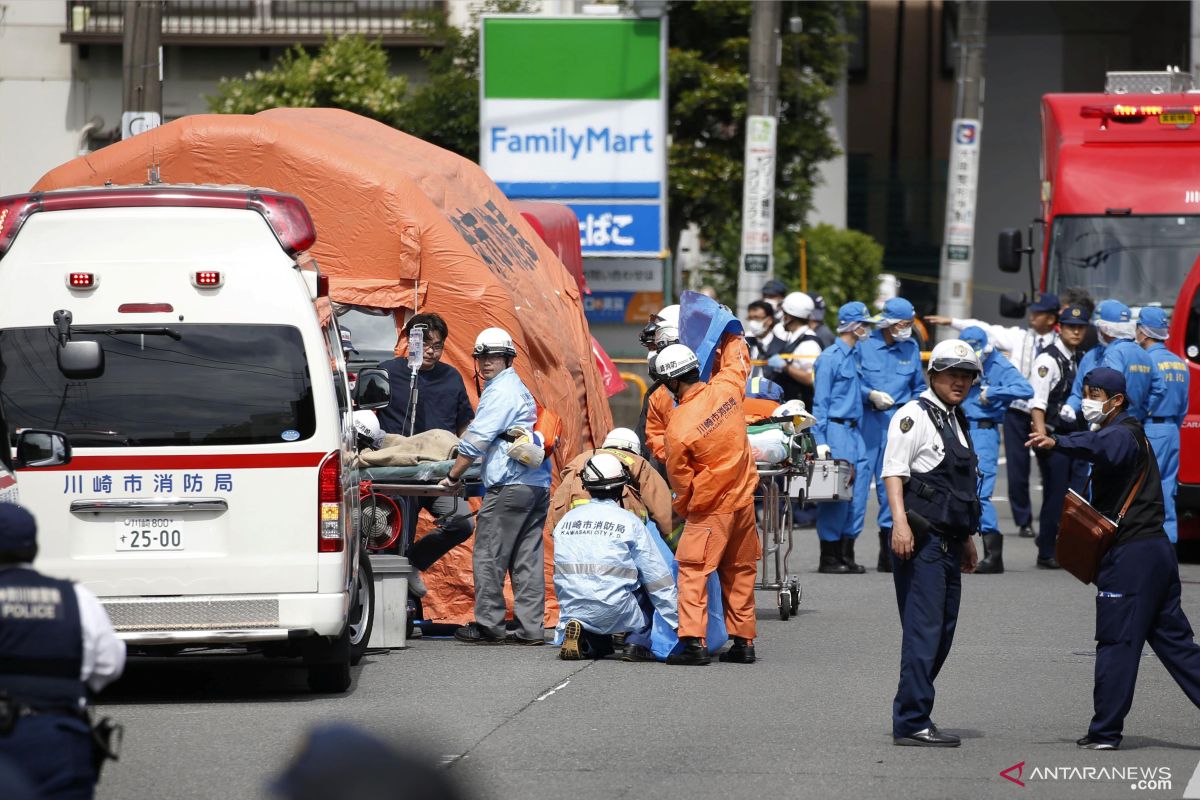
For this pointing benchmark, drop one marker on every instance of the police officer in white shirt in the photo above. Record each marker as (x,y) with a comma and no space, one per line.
(1022,346)
(56,645)
(930,470)
(1053,375)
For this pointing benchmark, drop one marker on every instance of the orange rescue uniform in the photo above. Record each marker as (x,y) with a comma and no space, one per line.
(711,469)
(647,496)
(658,413)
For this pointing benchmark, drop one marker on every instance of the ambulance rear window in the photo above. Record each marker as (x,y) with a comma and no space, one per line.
(213,385)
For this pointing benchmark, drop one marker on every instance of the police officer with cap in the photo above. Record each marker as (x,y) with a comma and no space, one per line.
(56,645)
(1138,592)
(1054,373)
(1167,409)
(931,470)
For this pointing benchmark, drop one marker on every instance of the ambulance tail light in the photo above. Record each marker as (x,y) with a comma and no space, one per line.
(289,218)
(208,279)
(330,538)
(13,213)
(82,280)
(286,214)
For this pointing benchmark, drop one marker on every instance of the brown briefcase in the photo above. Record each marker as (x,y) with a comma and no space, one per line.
(1084,534)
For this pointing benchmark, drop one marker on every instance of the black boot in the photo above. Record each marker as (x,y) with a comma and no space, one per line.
(693,654)
(742,652)
(993,560)
(852,567)
(831,559)
(885,550)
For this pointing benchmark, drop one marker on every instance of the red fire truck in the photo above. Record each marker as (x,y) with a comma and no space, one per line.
(1120,203)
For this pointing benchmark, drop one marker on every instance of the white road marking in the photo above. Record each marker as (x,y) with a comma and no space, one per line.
(1192,792)
(544,695)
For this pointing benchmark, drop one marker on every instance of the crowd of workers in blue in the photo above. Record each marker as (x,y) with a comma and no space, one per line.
(926,435)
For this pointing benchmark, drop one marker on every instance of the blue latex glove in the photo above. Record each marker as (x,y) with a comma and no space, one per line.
(777,363)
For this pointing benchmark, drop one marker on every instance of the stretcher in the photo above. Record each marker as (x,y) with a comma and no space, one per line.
(775,529)
(390,526)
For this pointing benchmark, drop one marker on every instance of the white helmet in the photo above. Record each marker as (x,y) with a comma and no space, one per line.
(623,439)
(798,305)
(528,447)
(675,360)
(603,472)
(665,335)
(366,425)
(494,341)
(668,316)
(953,354)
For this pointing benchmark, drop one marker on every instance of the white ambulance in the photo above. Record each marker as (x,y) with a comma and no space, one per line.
(181,340)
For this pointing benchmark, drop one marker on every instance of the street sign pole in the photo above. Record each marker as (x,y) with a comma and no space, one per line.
(958,243)
(755,265)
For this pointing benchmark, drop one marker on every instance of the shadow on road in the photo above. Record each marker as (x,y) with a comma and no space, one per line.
(213,679)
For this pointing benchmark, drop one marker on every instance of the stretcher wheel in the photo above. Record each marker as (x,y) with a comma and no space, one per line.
(785,606)
(795,593)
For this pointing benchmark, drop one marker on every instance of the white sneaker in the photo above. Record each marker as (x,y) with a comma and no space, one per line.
(416,586)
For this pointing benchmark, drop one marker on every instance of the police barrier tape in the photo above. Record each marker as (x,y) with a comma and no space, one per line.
(784,356)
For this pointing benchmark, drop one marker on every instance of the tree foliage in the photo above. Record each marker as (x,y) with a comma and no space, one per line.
(348,72)
(708,82)
(843,265)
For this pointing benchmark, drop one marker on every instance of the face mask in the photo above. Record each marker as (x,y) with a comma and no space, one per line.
(1093,411)
(862,332)
(756,327)
(901,334)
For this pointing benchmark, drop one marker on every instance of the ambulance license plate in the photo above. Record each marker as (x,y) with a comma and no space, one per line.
(143,534)
(1177,118)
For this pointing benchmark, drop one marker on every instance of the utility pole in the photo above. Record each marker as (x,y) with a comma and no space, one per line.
(141,61)
(758,189)
(958,250)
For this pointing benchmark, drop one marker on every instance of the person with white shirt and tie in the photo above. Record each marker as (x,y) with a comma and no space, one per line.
(930,469)
(1053,375)
(1022,346)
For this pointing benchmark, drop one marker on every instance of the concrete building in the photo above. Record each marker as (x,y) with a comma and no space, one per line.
(901,102)
(60,62)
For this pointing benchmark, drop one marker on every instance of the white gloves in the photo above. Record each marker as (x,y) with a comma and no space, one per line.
(881,400)
(822,451)
(1067,414)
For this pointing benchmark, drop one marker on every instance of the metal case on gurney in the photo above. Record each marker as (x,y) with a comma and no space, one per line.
(828,480)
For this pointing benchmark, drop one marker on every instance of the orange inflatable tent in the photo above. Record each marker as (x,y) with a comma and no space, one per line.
(400,222)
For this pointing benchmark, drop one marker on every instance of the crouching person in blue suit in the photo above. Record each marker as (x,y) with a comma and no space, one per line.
(608,572)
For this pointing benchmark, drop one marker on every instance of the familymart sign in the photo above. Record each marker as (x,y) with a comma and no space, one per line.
(572,108)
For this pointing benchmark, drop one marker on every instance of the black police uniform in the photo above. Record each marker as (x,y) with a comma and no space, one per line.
(792,388)
(41,660)
(1138,589)
(929,584)
(1059,471)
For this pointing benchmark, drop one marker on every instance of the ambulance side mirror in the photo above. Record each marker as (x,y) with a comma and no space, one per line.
(79,360)
(372,389)
(39,448)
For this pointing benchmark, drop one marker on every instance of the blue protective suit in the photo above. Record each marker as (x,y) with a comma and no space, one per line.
(1167,411)
(985,411)
(505,403)
(1091,359)
(605,563)
(838,407)
(896,369)
(1143,384)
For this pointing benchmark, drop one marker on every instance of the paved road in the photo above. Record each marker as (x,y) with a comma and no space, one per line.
(811,719)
